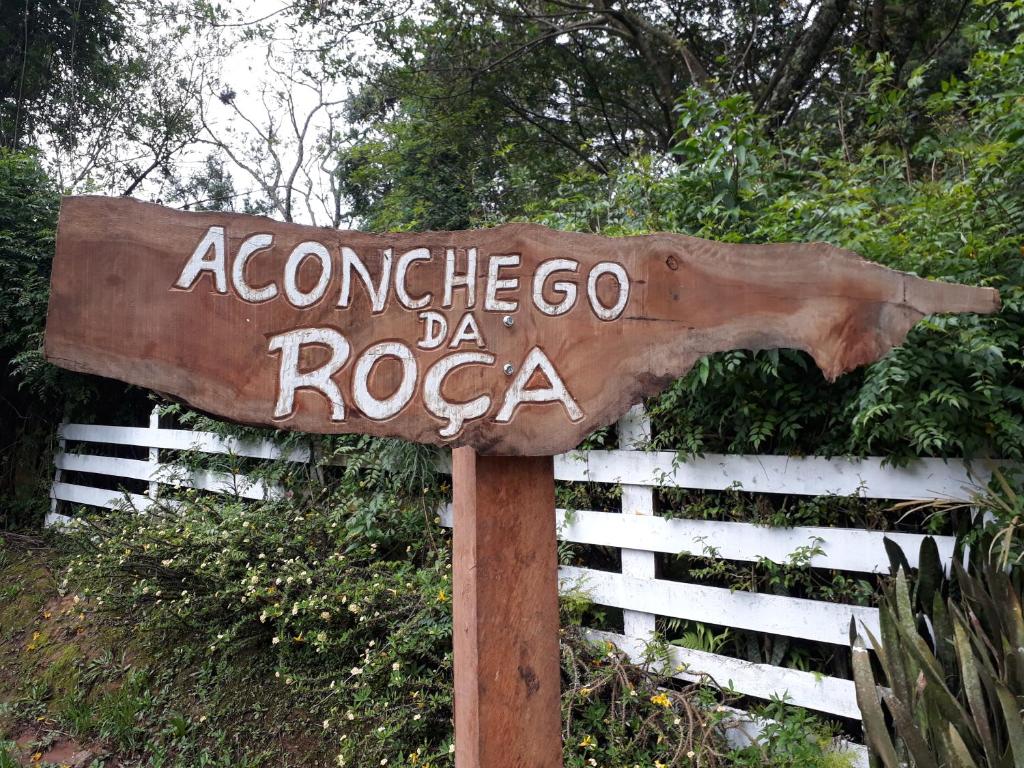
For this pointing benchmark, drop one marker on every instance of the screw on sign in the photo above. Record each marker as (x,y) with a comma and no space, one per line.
(509,345)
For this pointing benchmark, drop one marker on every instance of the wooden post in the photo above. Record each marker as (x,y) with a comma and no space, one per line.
(507,671)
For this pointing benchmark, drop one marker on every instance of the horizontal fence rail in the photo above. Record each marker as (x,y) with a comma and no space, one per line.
(841,549)
(179,440)
(166,474)
(806,476)
(637,531)
(774,614)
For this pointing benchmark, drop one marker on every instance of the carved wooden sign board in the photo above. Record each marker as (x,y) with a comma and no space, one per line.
(517,340)
(508,344)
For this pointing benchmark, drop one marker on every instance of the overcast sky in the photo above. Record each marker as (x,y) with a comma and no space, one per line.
(245,71)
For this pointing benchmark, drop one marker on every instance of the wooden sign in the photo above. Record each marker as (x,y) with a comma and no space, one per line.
(517,340)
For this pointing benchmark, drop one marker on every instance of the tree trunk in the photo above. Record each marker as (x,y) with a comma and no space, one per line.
(811,49)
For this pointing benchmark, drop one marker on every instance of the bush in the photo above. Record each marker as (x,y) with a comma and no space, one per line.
(951,654)
(34,395)
(356,612)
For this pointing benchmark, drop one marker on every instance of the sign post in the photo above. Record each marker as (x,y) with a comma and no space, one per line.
(507,672)
(508,345)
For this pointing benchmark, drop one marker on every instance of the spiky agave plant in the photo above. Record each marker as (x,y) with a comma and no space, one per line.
(951,657)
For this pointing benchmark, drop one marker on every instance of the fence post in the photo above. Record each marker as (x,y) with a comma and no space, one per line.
(634,433)
(55,517)
(154,455)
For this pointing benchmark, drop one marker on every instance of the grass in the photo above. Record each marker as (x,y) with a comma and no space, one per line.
(7,755)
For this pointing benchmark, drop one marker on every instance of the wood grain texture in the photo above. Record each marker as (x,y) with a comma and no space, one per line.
(115,311)
(505,621)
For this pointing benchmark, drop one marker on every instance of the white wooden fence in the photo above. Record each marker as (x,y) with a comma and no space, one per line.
(638,531)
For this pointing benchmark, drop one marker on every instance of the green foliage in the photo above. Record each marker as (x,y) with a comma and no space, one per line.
(1001,506)
(54,60)
(340,595)
(517,95)
(101,86)
(922,176)
(1006,507)
(34,395)
(356,612)
(950,654)
(792,738)
(29,388)
(28,216)
(423,169)
(29,205)
(619,713)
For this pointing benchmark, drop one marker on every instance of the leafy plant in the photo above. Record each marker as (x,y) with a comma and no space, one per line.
(697,636)
(924,175)
(951,652)
(621,713)
(792,738)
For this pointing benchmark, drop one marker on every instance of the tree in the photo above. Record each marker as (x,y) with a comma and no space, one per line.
(34,395)
(556,84)
(107,91)
(286,145)
(52,52)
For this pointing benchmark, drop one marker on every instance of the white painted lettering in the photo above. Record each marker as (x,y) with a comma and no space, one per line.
(401,270)
(467,330)
(435,329)
(453,281)
(495,283)
(378,293)
(251,244)
(517,393)
(372,407)
(291,379)
(454,413)
(291,273)
(196,264)
(610,268)
(567,290)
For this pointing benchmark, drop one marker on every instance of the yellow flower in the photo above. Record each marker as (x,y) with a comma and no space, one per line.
(662,700)
(442,597)
(588,742)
